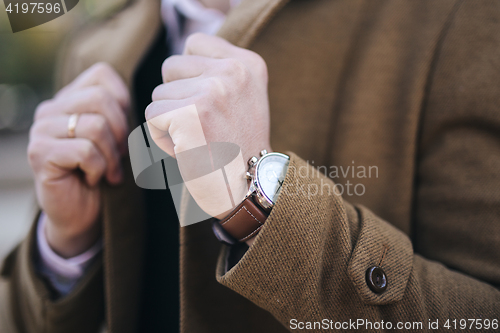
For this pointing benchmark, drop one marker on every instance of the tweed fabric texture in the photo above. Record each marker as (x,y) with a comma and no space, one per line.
(82,311)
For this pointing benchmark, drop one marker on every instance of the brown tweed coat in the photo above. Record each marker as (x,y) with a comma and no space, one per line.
(409,88)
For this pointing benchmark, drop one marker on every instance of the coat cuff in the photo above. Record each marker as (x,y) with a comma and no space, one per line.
(380,244)
(315,246)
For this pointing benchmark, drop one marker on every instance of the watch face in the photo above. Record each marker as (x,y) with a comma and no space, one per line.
(270,174)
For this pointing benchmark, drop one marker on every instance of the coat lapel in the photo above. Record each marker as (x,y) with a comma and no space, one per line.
(120,41)
(203,299)
(124,227)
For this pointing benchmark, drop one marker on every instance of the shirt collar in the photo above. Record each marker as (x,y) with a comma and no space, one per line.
(197,18)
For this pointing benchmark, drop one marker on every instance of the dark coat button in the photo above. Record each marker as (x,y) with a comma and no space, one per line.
(376,279)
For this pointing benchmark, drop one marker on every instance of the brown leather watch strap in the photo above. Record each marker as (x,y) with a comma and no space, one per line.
(245,221)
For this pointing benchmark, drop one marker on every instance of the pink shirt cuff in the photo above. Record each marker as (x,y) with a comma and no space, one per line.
(62,273)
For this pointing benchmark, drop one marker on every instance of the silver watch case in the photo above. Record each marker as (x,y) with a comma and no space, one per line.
(255,188)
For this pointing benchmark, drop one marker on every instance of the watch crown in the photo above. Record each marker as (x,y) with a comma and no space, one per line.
(248,176)
(252,161)
(263,152)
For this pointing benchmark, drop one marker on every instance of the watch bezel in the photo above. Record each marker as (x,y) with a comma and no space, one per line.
(260,195)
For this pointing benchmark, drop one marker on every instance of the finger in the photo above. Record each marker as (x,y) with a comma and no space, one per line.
(179,67)
(101,74)
(211,46)
(89,100)
(183,125)
(93,127)
(160,135)
(160,107)
(176,90)
(162,139)
(73,154)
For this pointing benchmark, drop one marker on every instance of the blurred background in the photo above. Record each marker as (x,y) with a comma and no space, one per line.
(27,63)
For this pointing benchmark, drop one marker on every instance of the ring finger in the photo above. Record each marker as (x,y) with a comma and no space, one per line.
(93,127)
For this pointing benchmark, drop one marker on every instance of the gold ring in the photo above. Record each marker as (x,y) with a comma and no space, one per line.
(72,121)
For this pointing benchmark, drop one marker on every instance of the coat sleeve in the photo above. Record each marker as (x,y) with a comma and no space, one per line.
(28,305)
(309,261)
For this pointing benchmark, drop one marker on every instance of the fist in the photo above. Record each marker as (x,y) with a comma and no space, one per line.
(214,92)
(68,168)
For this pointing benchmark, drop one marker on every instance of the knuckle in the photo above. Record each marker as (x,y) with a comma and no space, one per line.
(237,69)
(207,107)
(43,126)
(42,177)
(157,93)
(37,152)
(195,38)
(150,111)
(214,87)
(170,60)
(87,150)
(43,109)
(100,97)
(260,65)
(98,127)
(35,129)
(203,104)
(102,69)
(169,63)
(34,150)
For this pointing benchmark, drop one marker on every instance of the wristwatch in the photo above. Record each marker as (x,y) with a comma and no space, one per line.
(266,176)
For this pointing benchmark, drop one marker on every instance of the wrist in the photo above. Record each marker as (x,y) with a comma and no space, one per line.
(250,241)
(67,242)
(242,185)
(266,176)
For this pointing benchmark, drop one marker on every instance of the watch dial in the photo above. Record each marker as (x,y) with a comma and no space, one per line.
(271,174)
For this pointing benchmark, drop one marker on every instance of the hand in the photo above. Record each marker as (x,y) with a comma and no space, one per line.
(68,170)
(214,92)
